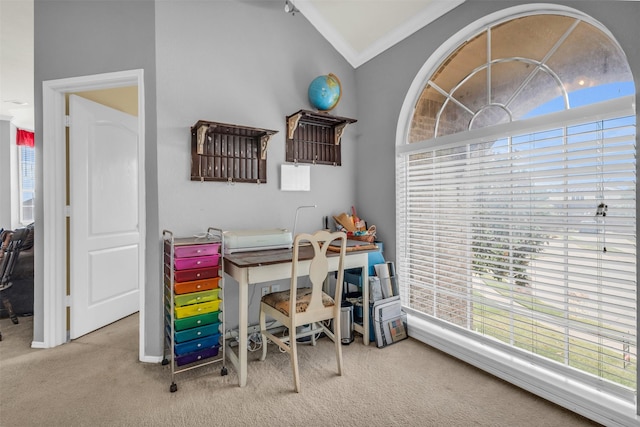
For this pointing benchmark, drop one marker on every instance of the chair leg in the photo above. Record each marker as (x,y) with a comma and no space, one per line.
(294,362)
(263,327)
(9,308)
(338,343)
(339,356)
(313,337)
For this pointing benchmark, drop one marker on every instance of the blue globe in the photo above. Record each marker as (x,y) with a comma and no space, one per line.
(325,92)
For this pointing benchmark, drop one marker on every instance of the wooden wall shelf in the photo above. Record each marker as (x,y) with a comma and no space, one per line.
(314,137)
(229,153)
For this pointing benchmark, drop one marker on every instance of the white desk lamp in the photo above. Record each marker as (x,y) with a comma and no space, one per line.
(295,221)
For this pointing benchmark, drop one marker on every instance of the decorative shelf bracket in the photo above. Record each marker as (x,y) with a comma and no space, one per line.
(292,124)
(264,143)
(339,131)
(202,137)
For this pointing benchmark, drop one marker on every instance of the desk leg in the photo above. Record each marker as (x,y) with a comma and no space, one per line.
(365,303)
(243,313)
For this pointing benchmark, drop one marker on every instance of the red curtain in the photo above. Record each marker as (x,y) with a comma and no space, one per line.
(24,137)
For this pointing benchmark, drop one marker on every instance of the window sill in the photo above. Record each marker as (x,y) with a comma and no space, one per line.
(598,405)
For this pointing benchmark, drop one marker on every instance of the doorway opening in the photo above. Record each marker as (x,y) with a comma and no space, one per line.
(56,209)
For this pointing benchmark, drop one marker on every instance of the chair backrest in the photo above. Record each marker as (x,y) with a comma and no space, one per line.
(14,242)
(320,241)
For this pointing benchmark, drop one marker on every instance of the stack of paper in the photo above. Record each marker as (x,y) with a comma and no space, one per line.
(387,275)
(388,321)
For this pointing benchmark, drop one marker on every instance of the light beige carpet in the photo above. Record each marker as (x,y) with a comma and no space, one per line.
(98,381)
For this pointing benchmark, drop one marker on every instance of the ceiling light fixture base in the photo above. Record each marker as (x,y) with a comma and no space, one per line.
(289,7)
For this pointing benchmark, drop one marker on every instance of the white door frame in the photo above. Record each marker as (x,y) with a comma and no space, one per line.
(54,191)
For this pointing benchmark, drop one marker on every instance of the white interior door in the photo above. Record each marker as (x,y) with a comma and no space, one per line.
(104,215)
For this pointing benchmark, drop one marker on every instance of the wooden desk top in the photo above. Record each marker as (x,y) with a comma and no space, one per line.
(275,256)
(265,257)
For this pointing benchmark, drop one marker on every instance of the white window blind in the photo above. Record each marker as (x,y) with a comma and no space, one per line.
(528,239)
(26,165)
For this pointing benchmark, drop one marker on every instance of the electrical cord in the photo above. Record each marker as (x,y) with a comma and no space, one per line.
(255,342)
(254,339)
(285,333)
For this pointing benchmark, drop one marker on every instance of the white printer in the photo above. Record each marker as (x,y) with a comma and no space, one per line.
(254,240)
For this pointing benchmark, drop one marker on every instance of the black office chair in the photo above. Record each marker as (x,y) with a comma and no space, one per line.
(13,242)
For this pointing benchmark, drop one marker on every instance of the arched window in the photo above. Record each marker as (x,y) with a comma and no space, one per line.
(516,198)
(521,68)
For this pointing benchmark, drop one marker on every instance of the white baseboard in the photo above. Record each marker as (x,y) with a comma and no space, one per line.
(151,359)
(38,344)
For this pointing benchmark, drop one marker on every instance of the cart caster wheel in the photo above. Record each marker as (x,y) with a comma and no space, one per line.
(223,371)
(165,362)
(173,388)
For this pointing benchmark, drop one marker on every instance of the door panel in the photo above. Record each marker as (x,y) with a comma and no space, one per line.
(104,211)
(113,179)
(102,287)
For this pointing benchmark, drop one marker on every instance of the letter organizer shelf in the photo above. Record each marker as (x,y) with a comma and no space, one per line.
(194,302)
(228,152)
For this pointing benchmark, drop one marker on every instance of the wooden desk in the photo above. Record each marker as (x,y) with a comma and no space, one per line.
(250,268)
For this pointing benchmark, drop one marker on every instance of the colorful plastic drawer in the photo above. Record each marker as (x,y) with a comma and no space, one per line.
(197,356)
(192,262)
(196,262)
(195,321)
(192,250)
(195,333)
(196,297)
(195,345)
(195,309)
(191,275)
(196,285)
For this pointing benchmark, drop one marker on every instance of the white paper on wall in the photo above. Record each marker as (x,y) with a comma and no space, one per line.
(295,178)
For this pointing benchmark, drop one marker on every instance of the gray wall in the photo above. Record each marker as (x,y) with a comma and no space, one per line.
(383,82)
(76,38)
(7,177)
(245,63)
(239,62)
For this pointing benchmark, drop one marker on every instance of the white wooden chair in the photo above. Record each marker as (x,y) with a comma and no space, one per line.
(307,305)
